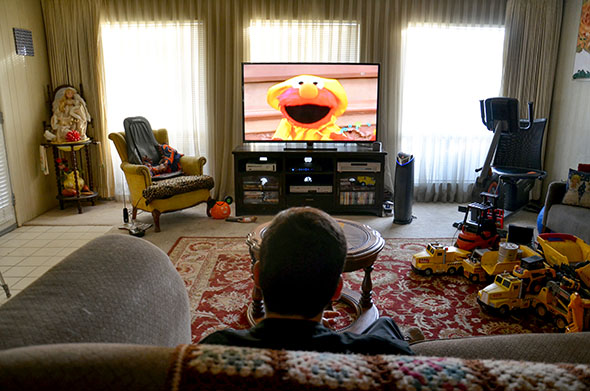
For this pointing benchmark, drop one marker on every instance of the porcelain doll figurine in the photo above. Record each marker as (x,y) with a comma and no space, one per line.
(70,116)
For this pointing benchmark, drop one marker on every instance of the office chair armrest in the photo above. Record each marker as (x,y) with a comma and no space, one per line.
(135,173)
(555,193)
(192,165)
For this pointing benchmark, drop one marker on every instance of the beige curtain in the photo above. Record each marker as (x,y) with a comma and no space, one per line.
(530,52)
(71,27)
(74,49)
(531,46)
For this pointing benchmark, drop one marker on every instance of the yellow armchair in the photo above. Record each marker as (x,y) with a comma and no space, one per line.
(139,178)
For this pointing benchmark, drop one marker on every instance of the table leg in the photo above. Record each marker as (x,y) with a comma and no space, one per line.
(367,289)
(257,307)
(58,177)
(76,188)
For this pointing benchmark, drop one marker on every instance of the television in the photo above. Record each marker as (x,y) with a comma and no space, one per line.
(310,102)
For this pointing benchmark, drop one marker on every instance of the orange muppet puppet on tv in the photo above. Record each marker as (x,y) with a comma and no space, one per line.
(310,106)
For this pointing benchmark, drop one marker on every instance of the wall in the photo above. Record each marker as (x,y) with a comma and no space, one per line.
(568,140)
(23,83)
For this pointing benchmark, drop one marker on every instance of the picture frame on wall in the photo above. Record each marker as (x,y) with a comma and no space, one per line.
(582,58)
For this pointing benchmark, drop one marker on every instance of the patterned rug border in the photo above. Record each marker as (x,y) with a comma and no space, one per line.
(244,237)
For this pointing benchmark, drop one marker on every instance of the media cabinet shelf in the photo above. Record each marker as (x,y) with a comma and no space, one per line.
(339,180)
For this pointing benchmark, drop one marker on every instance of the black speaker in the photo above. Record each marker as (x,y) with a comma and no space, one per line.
(377,146)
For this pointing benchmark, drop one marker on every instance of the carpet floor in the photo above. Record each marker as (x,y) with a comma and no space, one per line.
(216,272)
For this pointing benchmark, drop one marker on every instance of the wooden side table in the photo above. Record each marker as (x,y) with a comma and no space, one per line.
(364,245)
(79,155)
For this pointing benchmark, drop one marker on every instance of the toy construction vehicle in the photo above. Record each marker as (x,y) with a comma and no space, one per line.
(567,252)
(504,295)
(479,228)
(510,292)
(534,273)
(554,286)
(485,263)
(439,259)
(578,314)
(472,266)
(569,310)
(555,300)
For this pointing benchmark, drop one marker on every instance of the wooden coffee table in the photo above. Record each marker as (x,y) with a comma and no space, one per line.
(364,245)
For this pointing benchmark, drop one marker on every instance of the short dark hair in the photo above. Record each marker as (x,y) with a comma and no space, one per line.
(301,258)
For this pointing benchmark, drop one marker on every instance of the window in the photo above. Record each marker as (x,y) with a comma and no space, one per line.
(446,71)
(303,41)
(156,70)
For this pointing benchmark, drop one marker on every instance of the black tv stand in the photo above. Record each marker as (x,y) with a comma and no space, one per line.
(341,179)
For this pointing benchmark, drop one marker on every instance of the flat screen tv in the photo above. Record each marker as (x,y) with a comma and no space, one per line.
(310,102)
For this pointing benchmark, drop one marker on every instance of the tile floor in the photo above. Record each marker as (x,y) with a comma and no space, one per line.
(29,251)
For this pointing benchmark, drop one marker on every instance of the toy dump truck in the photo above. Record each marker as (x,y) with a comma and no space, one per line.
(564,249)
(472,266)
(504,260)
(567,252)
(437,258)
(485,263)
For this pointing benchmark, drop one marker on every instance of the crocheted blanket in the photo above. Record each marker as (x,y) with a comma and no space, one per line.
(167,188)
(208,367)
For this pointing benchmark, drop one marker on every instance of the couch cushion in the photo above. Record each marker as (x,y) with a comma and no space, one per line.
(85,366)
(116,288)
(569,220)
(570,347)
(170,187)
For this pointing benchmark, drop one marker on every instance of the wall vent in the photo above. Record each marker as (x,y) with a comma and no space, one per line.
(23,41)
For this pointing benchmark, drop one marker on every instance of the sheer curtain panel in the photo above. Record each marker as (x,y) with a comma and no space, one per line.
(447,70)
(156,70)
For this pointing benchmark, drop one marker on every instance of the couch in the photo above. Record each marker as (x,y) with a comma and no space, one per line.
(114,315)
(562,218)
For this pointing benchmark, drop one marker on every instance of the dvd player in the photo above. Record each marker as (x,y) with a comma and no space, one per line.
(358,167)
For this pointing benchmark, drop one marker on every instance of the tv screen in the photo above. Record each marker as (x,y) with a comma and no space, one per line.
(310,102)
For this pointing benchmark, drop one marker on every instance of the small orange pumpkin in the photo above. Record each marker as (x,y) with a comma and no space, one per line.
(219,209)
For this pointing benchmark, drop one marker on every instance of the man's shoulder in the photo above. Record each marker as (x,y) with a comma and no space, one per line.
(225,337)
(374,344)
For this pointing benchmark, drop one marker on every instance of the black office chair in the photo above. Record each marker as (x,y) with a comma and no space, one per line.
(516,150)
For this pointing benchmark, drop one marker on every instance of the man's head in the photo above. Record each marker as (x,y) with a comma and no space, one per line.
(301,257)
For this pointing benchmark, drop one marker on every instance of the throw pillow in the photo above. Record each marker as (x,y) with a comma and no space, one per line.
(578,189)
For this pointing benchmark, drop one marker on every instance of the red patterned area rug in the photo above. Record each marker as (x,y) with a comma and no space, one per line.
(216,272)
